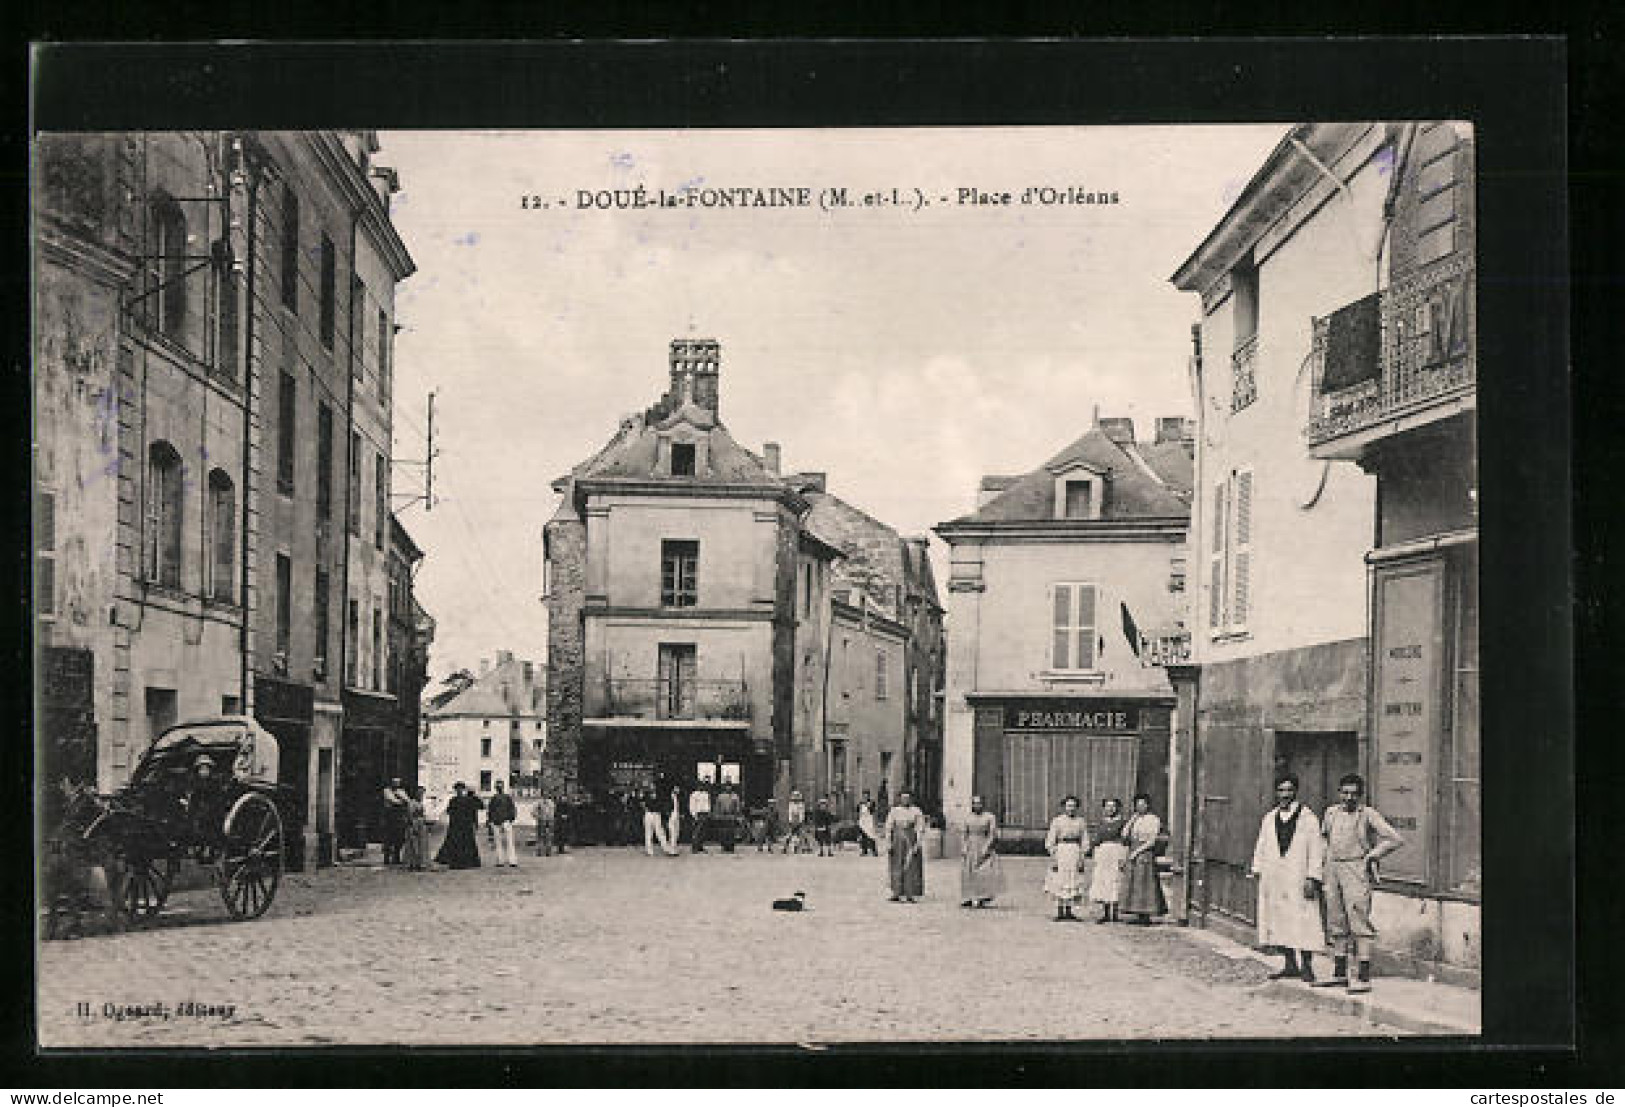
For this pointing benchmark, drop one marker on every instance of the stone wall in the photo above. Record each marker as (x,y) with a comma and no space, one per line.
(566,599)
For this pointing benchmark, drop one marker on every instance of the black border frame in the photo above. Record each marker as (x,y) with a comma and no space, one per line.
(1514,90)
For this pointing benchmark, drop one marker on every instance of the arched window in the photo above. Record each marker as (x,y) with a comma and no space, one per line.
(222,525)
(164,501)
(167,266)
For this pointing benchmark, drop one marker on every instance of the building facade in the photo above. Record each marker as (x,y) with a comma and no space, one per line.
(211,400)
(1336,517)
(483,730)
(694,602)
(1067,598)
(140,440)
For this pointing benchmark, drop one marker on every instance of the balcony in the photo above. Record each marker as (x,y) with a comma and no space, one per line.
(668,702)
(1244,375)
(1394,360)
(1162,648)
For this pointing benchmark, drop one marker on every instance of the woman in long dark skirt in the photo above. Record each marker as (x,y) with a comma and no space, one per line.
(905,848)
(460,850)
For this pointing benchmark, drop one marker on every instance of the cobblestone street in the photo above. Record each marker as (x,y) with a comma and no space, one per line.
(611,946)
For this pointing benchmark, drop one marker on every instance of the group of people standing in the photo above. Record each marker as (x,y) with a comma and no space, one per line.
(405,826)
(1315,879)
(1125,853)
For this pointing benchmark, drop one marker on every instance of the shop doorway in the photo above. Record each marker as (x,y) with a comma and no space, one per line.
(1318,758)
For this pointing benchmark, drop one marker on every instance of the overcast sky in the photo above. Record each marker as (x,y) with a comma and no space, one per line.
(904,352)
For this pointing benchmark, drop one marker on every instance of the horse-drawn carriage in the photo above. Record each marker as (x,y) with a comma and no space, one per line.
(204,792)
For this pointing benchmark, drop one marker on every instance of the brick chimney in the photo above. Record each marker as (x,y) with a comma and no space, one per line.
(770,457)
(1174,429)
(992,486)
(1120,430)
(695,365)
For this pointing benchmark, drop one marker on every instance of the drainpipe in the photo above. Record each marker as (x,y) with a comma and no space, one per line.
(249,315)
(351,462)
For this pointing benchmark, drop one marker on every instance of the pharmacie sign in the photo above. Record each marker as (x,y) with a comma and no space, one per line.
(1072,716)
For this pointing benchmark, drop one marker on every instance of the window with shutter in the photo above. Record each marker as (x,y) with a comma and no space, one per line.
(1241,554)
(44,553)
(1072,639)
(1216,590)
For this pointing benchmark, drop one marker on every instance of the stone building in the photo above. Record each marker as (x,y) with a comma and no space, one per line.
(484,729)
(212,446)
(1067,596)
(1336,529)
(693,603)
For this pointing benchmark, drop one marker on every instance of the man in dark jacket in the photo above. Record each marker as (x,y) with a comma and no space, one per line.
(500,814)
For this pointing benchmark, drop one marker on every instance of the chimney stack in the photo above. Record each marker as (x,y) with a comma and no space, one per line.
(485,667)
(770,457)
(1174,429)
(1119,429)
(504,656)
(530,673)
(695,365)
(991,486)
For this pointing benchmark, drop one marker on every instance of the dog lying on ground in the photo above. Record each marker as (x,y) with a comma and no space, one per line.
(798,902)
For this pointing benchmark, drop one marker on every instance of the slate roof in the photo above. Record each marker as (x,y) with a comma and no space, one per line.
(503,691)
(631,454)
(1142,482)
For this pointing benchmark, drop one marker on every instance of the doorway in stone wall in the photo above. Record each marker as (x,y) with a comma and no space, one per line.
(1318,758)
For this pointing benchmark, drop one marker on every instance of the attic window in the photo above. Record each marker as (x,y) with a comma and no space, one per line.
(682,459)
(1080,496)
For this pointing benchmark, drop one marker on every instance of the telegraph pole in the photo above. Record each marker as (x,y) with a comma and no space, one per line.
(429,454)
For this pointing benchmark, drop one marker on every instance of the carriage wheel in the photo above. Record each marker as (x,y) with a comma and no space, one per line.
(251,857)
(145,889)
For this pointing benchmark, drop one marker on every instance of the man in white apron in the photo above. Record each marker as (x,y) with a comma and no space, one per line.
(1287,862)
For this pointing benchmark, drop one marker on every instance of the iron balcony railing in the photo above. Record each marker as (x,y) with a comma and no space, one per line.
(1244,374)
(1395,352)
(664,699)
(1165,648)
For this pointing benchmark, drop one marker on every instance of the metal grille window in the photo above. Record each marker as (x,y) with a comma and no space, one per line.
(353,499)
(324,462)
(380,499)
(290,250)
(329,307)
(1072,639)
(679,573)
(223,537)
(284,606)
(287,413)
(163,515)
(323,629)
(385,336)
(44,553)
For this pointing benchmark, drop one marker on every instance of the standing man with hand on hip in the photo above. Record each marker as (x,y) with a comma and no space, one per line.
(500,814)
(1287,862)
(1357,838)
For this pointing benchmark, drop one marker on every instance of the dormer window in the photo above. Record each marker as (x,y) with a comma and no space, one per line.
(1080,498)
(1079,493)
(682,459)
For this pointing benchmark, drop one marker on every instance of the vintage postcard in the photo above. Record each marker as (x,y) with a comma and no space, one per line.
(811,585)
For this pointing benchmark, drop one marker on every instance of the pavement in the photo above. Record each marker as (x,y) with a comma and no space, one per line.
(609,946)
